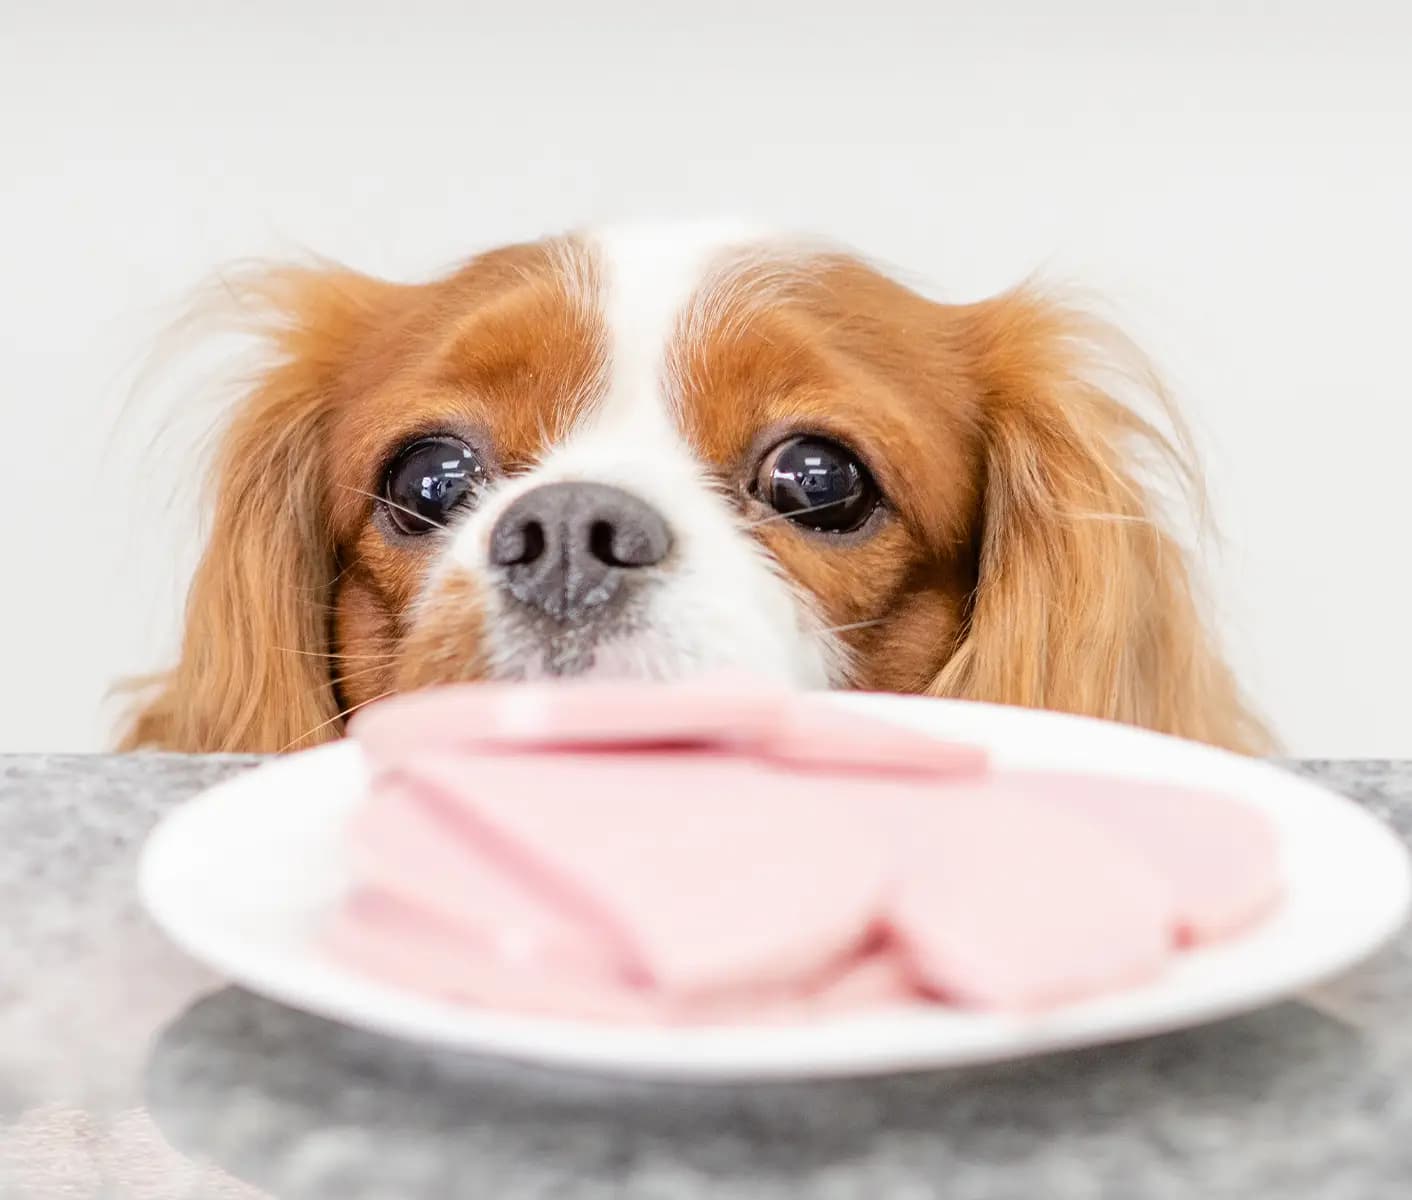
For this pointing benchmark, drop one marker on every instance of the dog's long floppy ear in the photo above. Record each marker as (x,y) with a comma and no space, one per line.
(1084,602)
(253,673)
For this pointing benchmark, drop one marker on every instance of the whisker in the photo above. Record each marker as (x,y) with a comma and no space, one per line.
(342,657)
(411,512)
(855,625)
(358,674)
(357,562)
(337,717)
(786,516)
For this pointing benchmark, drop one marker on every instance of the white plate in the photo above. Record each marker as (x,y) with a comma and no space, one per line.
(242,876)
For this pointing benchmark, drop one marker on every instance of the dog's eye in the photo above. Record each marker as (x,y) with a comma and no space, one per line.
(429,479)
(818,484)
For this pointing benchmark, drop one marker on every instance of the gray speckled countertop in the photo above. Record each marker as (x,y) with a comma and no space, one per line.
(128,1073)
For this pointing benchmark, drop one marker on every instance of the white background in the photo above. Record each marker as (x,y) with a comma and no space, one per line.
(1235,180)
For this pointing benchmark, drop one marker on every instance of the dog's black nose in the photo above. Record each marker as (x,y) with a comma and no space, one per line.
(566,548)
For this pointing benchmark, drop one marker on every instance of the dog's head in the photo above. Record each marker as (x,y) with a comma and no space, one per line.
(655,452)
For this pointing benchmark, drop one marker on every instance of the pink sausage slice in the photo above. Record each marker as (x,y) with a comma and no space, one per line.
(1218,855)
(815,735)
(389,941)
(715,710)
(791,728)
(711,872)
(1006,902)
(404,844)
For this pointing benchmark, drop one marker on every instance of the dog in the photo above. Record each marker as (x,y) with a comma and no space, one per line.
(658,451)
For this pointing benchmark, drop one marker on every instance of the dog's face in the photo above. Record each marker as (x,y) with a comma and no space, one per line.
(643,455)
(656,452)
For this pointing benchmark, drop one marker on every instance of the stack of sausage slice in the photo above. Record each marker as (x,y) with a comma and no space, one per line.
(721,851)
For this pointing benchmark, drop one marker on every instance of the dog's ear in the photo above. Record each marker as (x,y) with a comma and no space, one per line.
(1084,602)
(254,672)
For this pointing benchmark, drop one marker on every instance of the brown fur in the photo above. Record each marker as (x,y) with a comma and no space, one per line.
(1022,559)
(1085,603)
